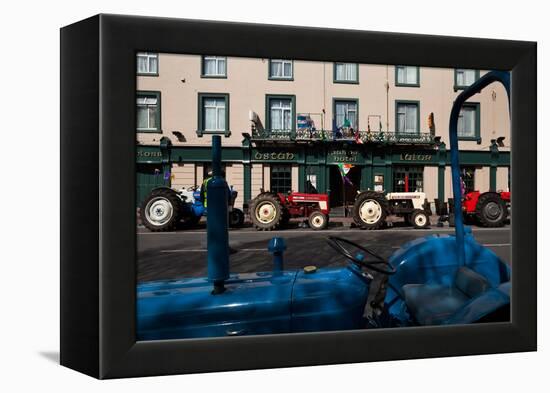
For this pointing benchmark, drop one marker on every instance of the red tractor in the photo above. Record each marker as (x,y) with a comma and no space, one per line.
(269,211)
(487,209)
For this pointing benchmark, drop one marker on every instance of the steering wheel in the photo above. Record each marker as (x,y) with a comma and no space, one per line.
(379,264)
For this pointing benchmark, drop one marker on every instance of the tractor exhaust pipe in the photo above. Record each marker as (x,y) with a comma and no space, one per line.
(217,222)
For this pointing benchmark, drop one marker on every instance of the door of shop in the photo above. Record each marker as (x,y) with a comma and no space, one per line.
(343,190)
(148,176)
(408,178)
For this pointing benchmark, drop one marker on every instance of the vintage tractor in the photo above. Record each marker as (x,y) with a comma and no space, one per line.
(371,208)
(435,280)
(164,208)
(487,209)
(269,211)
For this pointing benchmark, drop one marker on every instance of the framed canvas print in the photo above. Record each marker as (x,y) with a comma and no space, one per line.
(296,196)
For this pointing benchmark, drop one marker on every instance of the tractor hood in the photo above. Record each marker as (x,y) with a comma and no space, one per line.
(254,303)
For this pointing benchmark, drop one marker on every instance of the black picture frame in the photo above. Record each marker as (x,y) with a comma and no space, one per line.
(98,218)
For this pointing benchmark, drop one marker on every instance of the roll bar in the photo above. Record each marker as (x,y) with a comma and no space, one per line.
(493,76)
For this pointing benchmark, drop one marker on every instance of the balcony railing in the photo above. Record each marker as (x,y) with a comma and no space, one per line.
(309,135)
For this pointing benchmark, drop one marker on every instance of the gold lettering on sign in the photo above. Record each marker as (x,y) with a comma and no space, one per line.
(415,157)
(149,154)
(274,156)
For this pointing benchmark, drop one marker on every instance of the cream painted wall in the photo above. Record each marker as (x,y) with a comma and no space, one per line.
(482,179)
(295,178)
(502,179)
(430,182)
(247,83)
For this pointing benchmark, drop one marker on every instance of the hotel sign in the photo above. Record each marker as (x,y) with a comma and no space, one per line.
(344,156)
(273,156)
(415,157)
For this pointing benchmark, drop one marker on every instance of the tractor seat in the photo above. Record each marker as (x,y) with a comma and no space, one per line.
(432,304)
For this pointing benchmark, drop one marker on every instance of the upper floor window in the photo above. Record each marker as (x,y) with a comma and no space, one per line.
(407,76)
(281,69)
(464,77)
(147,63)
(213,114)
(148,111)
(214,67)
(406,117)
(346,72)
(345,113)
(468,122)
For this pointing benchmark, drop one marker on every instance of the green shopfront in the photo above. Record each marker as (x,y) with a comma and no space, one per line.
(300,166)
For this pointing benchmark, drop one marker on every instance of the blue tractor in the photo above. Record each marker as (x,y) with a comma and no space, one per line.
(165,208)
(435,280)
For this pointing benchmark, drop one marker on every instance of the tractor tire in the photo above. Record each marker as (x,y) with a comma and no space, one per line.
(491,210)
(236,218)
(266,212)
(420,219)
(370,210)
(161,210)
(318,221)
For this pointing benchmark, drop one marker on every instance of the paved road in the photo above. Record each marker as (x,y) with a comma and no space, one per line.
(183,253)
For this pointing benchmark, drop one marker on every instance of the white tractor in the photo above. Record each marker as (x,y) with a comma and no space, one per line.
(372,207)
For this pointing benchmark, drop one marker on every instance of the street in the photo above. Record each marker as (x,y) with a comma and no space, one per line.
(179,254)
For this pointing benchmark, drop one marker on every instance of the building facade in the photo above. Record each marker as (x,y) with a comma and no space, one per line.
(294,124)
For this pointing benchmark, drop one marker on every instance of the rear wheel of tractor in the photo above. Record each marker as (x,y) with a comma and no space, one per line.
(236,218)
(420,219)
(491,210)
(370,210)
(161,210)
(317,221)
(266,212)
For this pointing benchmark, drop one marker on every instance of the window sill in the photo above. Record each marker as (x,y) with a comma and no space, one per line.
(407,85)
(201,133)
(274,78)
(346,82)
(213,76)
(147,74)
(470,139)
(149,131)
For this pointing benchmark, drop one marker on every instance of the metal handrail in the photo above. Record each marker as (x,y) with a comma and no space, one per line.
(315,135)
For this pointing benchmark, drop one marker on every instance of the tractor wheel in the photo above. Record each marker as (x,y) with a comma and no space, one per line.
(491,210)
(161,210)
(318,220)
(236,218)
(370,210)
(420,219)
(266,212)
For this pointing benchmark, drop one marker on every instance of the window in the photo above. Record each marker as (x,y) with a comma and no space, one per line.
(468,122)
(407,76)
(148,111)
(464,78)
(468,176)
(345,113)
(406,117)
(280,113)
(213,114)
(281,178)
(214,67)
(280,69)
(147,63)
(346,73)
(408,179)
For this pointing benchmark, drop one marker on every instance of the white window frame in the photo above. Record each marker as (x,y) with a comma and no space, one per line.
(346,76)
(144,100)
(149,57)
(463,72)
(217,60)
(399,112)
(282,62)
(405,73)
(281,110)
(217,109)
(347,103)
